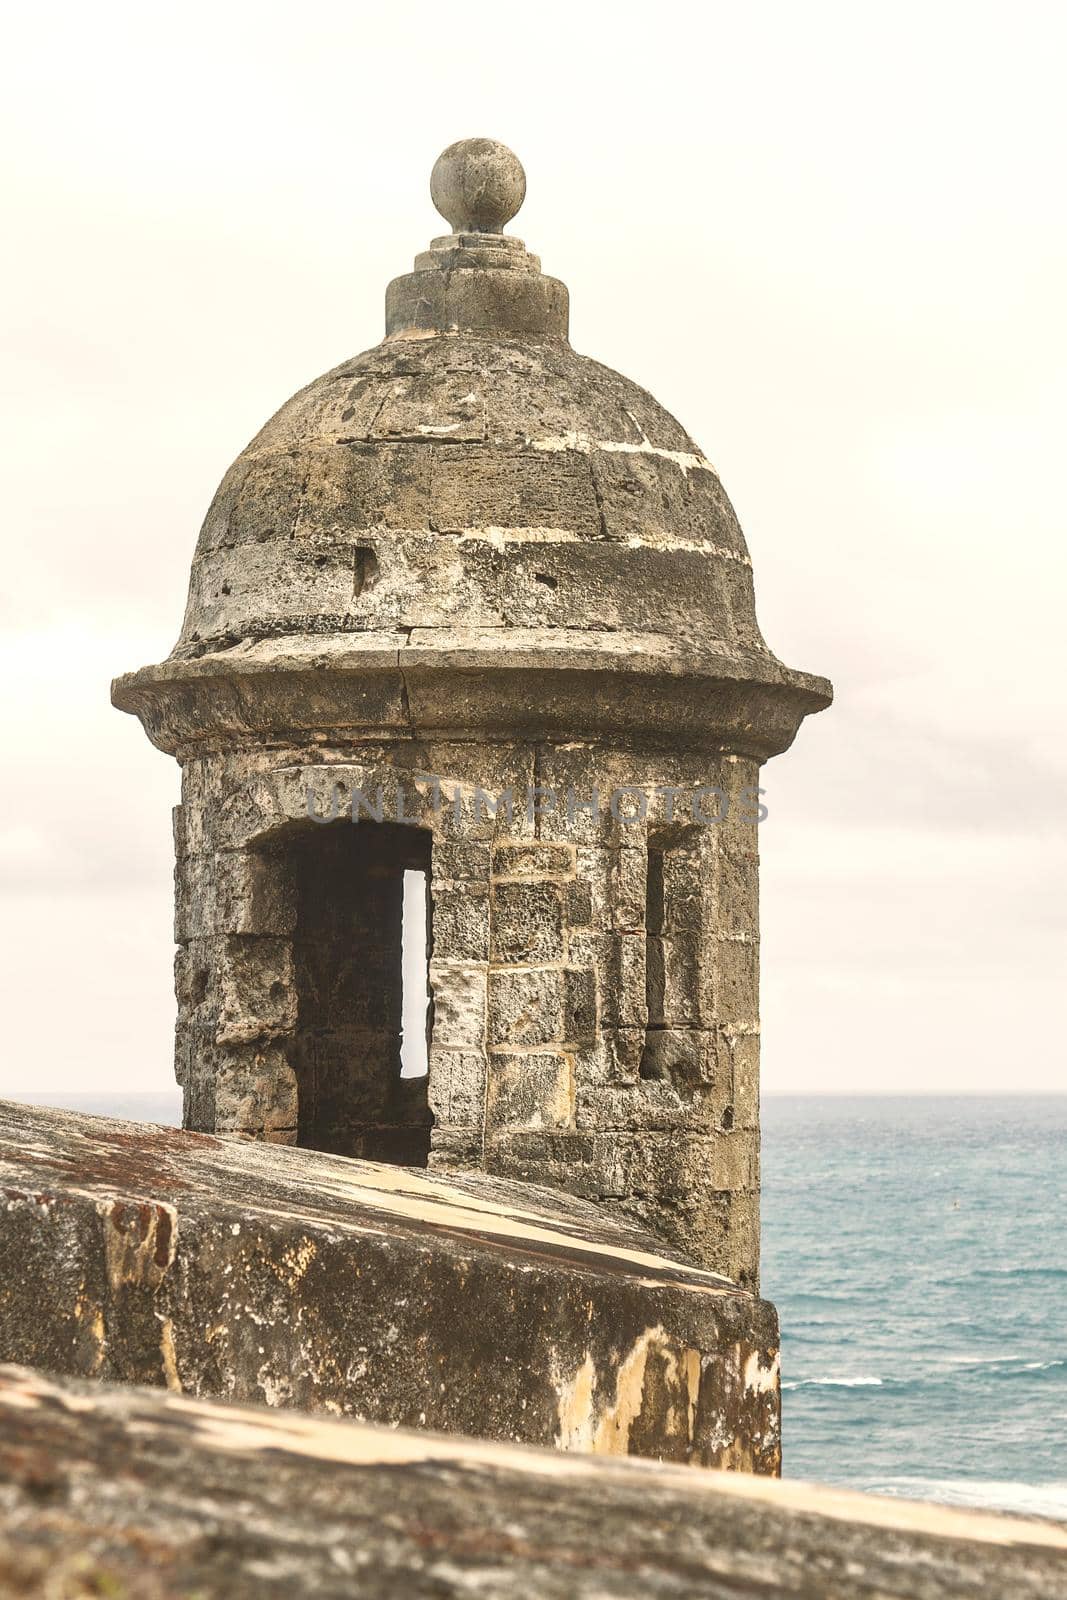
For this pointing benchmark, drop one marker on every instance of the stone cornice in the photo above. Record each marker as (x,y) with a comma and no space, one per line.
(507,683)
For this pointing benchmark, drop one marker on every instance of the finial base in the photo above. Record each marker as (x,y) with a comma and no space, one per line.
(478,299)
(498,251)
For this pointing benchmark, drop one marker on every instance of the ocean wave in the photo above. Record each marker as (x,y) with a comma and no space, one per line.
(961,1370)
(804,1300)
(1056,1274)
(835,1383)
(1026,1499)
(1008,1366)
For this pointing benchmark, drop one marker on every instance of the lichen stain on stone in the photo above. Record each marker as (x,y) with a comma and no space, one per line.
(576,1408)
(759,1379)
(91,1316)
(297,1258)
(169,1355)
(738,1456)
(694,1366)
(605,1430)
(277,1390)
(140,1239)
(140,1244)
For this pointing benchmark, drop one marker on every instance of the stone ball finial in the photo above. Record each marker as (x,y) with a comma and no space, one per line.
(477,185)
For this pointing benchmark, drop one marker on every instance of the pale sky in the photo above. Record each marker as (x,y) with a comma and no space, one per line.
(829,237)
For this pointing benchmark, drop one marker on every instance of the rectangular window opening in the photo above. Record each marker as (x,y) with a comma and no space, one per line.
(361,963)
(414,1025)
(672,940)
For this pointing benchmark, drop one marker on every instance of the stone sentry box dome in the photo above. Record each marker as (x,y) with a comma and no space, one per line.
(467,565)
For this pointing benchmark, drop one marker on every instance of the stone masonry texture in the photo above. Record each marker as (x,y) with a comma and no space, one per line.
(129,1492)
(475,1305)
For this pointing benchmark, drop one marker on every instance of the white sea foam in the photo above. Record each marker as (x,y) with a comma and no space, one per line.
(834,1383)
(1025,1499)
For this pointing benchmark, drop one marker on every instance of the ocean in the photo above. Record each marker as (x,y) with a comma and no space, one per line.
(917,1252)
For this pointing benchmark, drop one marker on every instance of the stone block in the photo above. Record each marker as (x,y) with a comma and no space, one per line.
(215,529)
(738,778)
(459,1001)
(634,1108)
(243,812)
(461,861)
(626,889)
(360,486)
(242,986)
(574,771)
(610,1165)
(731,1160)
(680,972)
(593,867)
(744,1058)
(457,1148)
(678,1056)
(532,860)
(231,892)
(736,982)
(452,400)
(545,1156)
(614,1056)
(525,1005)
(521,489)
(738,1227)
(629,954)
(527,922)
(529,1091)
(264,507)
(579,1005)
(256,1094)
(619,963)
(179,818)
(457,1086)
(738,898)
(473,810)
(461,921)
(643,497)
(579,903)
(685,1182)
(686,888)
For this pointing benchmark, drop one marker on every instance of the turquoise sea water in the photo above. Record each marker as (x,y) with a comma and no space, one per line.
(917,1252)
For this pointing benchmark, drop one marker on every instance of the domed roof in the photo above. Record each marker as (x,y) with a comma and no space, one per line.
(469,485)
(476,480)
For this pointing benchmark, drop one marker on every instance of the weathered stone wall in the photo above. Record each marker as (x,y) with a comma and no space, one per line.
(545,1062)
(130,1493)
(461,1302)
